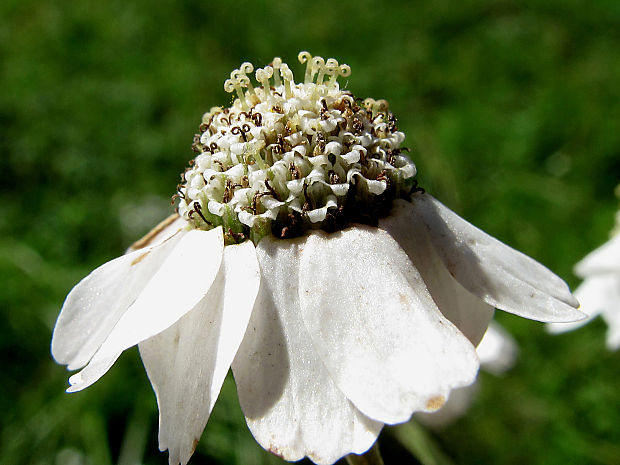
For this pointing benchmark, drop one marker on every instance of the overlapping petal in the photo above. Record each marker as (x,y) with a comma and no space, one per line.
(498,274)
(291,404)
(187,363)
(371,318)
(176,287)
(468,312)
(95,304)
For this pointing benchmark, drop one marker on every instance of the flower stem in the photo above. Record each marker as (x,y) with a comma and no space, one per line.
(371,457)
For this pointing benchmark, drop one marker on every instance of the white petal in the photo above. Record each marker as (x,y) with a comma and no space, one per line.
(178,285)
(599,294)
(457,405)
(96,303)
(187,363)
(291,405)
(382,338)
(469,313)
(604,259)
(498,274)
(497,351)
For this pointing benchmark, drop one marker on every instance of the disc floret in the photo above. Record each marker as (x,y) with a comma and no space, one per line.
(287,157)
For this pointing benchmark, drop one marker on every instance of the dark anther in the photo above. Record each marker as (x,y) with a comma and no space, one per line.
(293,228)
(308,204)
(333,177)
(246,116)
(324,110)
(271,190)
(320,143)
(228,191)
(258,119)
(213,147)
(392,123)
(277,93)
(203,127)
(211,119)
(277,109)
(198,209)
(223,119)
(382,177)
(196,145)
(221,165)
(237,237)
(295,174)
(179,195)
(416,188)
(241,130)
(255,200)
(358,126)
(245,182)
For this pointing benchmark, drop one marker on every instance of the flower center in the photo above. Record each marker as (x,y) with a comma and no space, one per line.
(288,157)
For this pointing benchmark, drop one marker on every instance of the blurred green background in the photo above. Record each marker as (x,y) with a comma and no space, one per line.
(512,109)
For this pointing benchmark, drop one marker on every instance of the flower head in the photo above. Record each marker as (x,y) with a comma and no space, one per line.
(599,293)
(293,157)
(304,256)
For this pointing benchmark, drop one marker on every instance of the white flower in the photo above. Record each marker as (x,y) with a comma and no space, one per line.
(330,335)
(599,293)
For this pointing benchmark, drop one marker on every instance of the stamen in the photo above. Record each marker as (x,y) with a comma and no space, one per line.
(277,64)
(287,75)
(331,70)
(262,76)
(318,66)
(247,68)
(304,57)
(234,84)
(197,208)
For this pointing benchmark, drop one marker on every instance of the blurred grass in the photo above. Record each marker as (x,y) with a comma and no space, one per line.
(512,112)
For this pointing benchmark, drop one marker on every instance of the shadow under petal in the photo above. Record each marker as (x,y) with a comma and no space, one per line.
(261,367)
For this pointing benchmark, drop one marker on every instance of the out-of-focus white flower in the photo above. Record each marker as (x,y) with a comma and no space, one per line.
(358,300)
(497,353)
(599,293)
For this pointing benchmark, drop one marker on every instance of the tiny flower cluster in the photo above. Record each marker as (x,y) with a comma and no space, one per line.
(288,157)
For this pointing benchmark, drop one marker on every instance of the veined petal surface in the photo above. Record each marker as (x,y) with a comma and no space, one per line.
(187,363)
(95,304)
(498,274)
(468,312)
(178,285)
(291,404)
(377,329)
